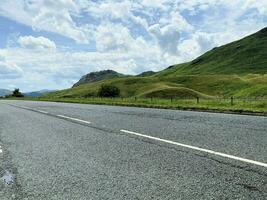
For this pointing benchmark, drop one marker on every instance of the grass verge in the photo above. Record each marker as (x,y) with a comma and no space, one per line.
(253,107)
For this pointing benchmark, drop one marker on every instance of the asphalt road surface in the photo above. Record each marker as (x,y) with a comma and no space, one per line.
(77,151)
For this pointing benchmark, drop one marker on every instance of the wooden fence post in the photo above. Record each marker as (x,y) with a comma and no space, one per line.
(197,99)
(232,101)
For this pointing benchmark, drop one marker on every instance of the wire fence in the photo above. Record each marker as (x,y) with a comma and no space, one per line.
(256,103)
(230,100)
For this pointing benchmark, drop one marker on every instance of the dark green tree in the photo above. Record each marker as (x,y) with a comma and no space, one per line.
(108,91)
(17,93)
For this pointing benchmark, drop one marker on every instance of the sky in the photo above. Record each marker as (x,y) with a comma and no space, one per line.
(50,44)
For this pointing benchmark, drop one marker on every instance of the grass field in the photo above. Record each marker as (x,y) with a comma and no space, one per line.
(187,86)
(214,105)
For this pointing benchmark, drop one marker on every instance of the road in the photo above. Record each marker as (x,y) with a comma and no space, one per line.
(77,151)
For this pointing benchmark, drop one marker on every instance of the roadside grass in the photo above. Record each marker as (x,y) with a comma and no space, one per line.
(213,105)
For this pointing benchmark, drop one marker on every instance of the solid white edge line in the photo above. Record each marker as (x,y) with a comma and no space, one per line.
(74,119)
(198,149)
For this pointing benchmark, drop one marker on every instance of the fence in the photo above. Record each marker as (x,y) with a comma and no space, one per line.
(174,100)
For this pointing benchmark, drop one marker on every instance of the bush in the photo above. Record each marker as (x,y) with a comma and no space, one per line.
(17,93)
(108,91)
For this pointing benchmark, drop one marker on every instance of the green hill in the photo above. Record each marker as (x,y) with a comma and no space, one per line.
(236,69)
(248,55)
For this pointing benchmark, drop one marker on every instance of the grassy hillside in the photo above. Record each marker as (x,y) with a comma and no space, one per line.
(246,56)
(206,86)
(236,69)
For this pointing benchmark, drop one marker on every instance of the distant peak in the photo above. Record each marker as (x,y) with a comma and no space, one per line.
(98,76)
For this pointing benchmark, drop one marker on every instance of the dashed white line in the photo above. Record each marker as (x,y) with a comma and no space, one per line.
(74,119)
(1,150)
(197,149)
(41,111)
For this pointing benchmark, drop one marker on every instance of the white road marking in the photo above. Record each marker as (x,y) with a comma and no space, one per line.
(1,150)
(198,149)
(41,111)
(27,108)
(74,119)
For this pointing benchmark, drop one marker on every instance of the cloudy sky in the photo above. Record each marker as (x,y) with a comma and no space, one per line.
(50,44)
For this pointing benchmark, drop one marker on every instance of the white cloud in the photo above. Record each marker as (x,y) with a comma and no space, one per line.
(200,42)
(17,12)
(41,43)
(48,15)
(117,38)
(108,38)
(167,37)
(156,4)
(167,31)
(9,70)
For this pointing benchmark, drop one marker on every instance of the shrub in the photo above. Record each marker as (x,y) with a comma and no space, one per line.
(108,91)
(17,93)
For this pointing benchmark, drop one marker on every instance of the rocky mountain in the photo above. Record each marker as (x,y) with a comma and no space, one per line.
(98,76)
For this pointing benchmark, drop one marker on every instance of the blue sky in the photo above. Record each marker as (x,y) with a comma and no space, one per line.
(50,44)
